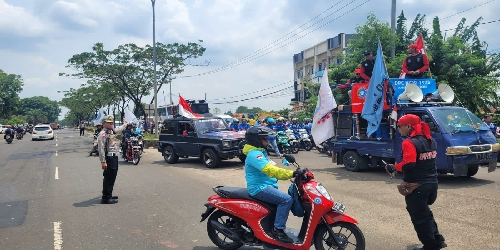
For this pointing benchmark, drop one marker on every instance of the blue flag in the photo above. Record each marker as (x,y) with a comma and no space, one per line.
(374,104)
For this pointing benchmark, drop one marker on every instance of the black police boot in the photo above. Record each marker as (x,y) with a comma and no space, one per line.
(281,236)
(114,197)
(109,201)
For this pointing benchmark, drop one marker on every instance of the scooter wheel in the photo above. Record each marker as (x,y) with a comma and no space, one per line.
(308,146)
(215,235)
(323,239)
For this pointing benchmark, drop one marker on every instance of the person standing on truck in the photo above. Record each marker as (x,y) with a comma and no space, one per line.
(420,182)
(488,121)
(415,64)
(367,65)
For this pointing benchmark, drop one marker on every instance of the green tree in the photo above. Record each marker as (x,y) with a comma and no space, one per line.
(10,87)
(401,32)
(50,109)
(129,68)
(35,116)
(15,119)
(284,112)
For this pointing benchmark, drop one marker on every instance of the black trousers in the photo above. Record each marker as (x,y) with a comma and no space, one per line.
(417,204)
(109,177)
(82,131)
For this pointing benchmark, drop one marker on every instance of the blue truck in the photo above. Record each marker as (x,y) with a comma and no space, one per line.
(464,142)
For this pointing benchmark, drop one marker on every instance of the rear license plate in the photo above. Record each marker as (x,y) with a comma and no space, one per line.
(484,157)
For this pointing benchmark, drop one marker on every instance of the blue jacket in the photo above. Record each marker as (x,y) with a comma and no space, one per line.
(242,126)
(234,126)
(308,127)
(280,127)
(259,172)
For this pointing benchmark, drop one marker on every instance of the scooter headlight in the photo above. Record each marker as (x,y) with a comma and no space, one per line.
(323,191)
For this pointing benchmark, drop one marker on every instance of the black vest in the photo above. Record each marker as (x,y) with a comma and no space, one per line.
(368,65)
(414,63)
(425,168)
(356,80)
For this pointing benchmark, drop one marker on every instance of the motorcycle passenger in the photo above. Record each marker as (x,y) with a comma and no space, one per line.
(280,126)
(244,125)
(420,180)
(234,125)
(272,138)
(262,177)
(308,125)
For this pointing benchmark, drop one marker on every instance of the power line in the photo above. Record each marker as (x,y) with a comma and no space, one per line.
(479,23)
(467,9)
(272,87)
(268,52)
(291,32)
(256,97)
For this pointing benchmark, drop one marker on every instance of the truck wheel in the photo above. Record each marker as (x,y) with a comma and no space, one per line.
(472,170)
(353,161)
(169,155)
(210,158)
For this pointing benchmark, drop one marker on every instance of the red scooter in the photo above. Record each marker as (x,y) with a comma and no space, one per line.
(243,220)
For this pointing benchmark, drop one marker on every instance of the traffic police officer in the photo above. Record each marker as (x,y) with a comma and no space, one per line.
(420,182)
(108,154)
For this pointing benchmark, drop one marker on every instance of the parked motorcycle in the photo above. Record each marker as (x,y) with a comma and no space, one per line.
(243,220)
(133,150)
(94,147)
(292,140)
(304,141)
(282,142)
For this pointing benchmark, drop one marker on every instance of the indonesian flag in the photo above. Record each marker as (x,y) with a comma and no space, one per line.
(323,126)
(420,48)
(185,109)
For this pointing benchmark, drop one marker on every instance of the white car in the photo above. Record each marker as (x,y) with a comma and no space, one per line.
(3,128)
(42,132)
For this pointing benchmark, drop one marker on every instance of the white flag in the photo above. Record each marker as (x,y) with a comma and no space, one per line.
(322,126)
(100,116)
(129,116)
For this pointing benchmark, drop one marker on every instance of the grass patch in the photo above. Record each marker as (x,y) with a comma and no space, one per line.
(150,137)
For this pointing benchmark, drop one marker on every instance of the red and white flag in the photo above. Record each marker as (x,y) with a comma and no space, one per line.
(185,109)
(420,48)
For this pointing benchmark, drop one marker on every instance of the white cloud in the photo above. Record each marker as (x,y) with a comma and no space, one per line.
(18,20)
(36,41)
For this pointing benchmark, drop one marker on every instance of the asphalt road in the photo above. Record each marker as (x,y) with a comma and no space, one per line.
(50,193)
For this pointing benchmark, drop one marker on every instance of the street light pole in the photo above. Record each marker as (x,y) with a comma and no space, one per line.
(154,74)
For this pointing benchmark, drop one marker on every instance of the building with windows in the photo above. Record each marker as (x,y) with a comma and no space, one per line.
(312,62)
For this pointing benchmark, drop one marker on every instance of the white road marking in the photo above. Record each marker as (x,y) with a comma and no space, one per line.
(57,173)
(56,144)
(57,236)
(56,153)
(56,138)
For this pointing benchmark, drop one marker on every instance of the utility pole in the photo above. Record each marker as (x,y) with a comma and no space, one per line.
(154,74)
(393,26)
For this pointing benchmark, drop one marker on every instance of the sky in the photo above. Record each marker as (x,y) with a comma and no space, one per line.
(37,37)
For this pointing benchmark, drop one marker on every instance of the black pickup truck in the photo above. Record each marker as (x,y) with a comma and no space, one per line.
(208,138)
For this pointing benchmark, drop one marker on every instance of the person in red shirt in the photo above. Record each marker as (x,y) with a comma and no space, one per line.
(356,79)
(416,63)
(367,65)
(420,173)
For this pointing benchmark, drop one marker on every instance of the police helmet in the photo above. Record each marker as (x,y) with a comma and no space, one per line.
(270,120)
(254,135)
(294,120)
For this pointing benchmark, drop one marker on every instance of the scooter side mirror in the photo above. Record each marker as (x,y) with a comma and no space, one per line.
(289,158)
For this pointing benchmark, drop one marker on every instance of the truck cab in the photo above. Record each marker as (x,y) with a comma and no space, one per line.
(464,142)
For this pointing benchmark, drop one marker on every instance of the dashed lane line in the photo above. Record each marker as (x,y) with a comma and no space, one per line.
(58,240)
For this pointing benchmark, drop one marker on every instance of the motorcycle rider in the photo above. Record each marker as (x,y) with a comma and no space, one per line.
(262,177)
(234,125)
(308,125)
(272,138)
(244,125)
(20,131)
(127,133)
(420,182)
(295,126)
(98,129)
(280,126)
(8,131)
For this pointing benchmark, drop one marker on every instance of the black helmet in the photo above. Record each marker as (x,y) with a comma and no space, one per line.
(254,135)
